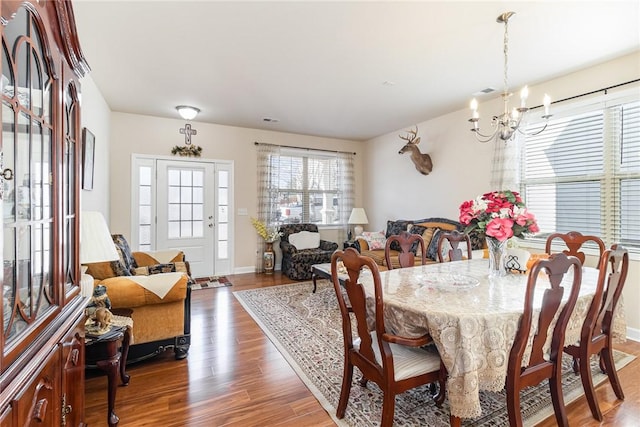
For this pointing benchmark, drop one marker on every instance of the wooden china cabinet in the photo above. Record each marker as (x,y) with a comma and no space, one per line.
(42,339)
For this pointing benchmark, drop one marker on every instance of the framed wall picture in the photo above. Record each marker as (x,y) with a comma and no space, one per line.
(88,154)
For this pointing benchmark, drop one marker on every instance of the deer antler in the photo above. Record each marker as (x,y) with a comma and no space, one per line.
(411,136)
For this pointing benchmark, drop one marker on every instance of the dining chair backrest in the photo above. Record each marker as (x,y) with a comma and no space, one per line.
(543,363)
(613,267)
(454,238)
(353,262)
(574,240)
(374,351)
(409,244)
(596,334)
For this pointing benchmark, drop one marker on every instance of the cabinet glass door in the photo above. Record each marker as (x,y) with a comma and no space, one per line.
(26,179)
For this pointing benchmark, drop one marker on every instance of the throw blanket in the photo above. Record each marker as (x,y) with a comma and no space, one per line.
(164,257)
(159,284)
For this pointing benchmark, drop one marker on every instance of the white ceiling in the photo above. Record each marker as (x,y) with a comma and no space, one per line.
(320,67)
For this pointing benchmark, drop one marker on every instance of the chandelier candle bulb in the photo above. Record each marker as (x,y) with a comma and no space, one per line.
(524,94)
(546,102)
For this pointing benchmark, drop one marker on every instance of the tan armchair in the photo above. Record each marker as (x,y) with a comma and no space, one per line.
(153,288)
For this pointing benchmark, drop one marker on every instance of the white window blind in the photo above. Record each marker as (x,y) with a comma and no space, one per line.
(583,174)
(305,188)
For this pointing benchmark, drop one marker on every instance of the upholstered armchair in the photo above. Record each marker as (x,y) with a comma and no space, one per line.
(153,289)
(297,261)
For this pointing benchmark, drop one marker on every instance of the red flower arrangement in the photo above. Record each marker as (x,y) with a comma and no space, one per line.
(499,214)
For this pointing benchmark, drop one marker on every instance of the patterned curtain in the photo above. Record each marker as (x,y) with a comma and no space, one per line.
(505,174)
(267,194)
(346,184)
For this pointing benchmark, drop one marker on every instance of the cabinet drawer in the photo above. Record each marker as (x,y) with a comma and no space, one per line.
(38,404)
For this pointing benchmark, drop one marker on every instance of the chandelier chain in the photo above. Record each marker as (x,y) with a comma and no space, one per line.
(506,55)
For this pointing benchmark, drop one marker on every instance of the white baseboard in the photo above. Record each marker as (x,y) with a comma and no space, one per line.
(248,269)
(633,334)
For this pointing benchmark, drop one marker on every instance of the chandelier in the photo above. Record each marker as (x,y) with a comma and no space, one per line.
(506,124)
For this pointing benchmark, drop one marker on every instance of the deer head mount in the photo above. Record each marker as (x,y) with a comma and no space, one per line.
(422,161)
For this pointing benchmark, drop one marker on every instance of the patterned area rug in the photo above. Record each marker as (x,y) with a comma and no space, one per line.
(211,282)
(306,329)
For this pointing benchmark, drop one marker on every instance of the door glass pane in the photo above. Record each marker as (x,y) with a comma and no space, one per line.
(223,232)
(223,179)
(223,215)
(223,249)
(223,196)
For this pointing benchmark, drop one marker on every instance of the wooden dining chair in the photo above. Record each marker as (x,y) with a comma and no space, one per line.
(595,337)
(395,363)
(454,238)
(543,365)
(574,241)
(409,244)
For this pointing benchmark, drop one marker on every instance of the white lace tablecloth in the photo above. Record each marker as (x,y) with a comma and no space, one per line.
(472,319)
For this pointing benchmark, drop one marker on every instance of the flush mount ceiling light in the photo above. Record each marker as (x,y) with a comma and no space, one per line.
(187,112)
(508,122)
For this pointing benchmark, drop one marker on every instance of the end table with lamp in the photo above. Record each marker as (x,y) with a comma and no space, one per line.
(358,217)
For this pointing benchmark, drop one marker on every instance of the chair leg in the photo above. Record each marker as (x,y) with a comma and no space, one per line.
(576,364)
(555,386)
(606,358)
(513,409)
(347,378)
(388,408)
(587,385)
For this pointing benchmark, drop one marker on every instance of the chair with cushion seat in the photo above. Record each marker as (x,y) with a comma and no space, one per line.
(453,240)
(301,248)
(394,363)
(153,288)
(574,240)
(595,337)
(542,364)
(405,246)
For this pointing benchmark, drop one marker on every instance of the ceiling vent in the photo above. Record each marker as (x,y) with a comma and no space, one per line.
(484,91)
(270,120)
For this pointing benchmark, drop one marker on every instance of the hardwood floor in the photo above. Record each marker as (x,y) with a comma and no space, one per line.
(234,376)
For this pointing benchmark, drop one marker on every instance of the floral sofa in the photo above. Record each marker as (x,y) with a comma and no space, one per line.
(373,244)
(296,263)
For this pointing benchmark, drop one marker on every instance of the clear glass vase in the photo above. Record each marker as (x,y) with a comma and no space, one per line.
(497,257)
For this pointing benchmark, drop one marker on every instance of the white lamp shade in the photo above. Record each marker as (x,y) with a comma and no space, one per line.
(187,112)
(358,216)
(96,244)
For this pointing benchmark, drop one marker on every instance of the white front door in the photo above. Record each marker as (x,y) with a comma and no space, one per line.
(185,212)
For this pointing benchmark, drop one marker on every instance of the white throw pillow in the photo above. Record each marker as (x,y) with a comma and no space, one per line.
(305,240)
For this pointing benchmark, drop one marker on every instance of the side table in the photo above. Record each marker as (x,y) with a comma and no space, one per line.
(108,352)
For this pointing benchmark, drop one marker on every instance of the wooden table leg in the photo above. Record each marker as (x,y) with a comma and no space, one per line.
(455,421)
(124,377)
(111,365)
(314,276)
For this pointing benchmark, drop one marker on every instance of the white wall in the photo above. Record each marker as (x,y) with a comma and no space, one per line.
(152,135)
(96,116)
(462,166)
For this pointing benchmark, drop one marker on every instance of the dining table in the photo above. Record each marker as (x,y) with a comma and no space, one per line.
(472,318)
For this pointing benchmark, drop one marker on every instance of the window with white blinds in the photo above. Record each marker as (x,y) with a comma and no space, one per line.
(583,174)
(306,188)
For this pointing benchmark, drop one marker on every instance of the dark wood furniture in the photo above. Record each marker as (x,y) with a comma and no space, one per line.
(408,244)
(541,366)
(108,353)
(454,238)
(374,356)
(42,338)
(595,337)
(574,241)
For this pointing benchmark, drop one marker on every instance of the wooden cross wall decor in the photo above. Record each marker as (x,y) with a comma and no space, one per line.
(187,131)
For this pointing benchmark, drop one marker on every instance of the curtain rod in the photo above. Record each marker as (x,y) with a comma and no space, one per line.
(304,148)
(604,89)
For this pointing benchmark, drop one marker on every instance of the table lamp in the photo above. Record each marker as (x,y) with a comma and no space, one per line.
(96,245)
(358,216)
